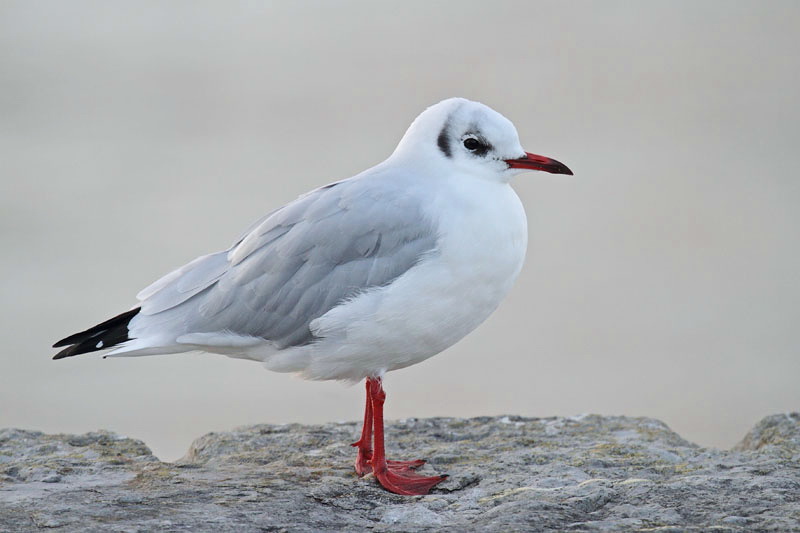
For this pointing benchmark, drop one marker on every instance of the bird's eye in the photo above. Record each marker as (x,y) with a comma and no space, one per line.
(472,144)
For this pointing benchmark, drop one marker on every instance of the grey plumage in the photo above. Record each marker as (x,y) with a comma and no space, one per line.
(296,264)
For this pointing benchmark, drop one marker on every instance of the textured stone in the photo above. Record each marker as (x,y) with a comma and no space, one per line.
(585,473)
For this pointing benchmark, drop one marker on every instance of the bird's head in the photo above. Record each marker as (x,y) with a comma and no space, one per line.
(471,138)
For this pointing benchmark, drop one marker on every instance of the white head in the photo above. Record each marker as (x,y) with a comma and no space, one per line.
(472,139)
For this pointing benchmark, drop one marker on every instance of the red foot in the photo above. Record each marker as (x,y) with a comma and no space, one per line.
(407,483)
(395,476)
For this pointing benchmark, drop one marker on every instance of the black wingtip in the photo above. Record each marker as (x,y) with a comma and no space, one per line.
(67,352)
(100,337)
(62,354)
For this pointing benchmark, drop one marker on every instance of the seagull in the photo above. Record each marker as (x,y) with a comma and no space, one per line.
(359,277)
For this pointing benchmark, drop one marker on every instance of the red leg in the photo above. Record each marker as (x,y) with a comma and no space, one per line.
(364,444)
(397,478)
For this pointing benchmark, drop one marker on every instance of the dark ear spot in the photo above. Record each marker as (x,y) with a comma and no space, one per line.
(444,142)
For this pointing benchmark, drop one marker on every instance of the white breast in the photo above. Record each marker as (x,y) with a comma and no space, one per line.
(483,238)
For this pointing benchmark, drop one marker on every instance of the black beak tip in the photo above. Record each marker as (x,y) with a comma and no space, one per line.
(557,167)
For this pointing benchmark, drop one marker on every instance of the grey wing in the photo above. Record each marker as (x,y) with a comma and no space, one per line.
(298,263)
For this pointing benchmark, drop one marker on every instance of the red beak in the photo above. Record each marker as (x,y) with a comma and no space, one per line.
(539,162)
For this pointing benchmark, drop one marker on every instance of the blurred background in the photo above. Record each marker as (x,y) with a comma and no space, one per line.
(662,280)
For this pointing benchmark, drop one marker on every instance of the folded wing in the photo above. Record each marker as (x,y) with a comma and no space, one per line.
(295,265)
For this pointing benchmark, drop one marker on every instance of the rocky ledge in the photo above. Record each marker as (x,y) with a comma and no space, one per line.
(585,473)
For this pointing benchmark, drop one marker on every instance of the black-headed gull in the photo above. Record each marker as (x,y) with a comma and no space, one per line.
(354,279)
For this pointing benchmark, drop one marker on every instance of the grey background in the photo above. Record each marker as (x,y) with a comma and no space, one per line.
(661,280)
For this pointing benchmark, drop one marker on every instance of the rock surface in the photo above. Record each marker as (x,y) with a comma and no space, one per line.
(585,473)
